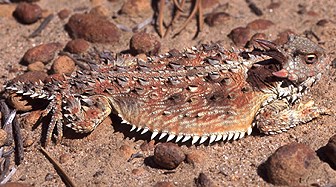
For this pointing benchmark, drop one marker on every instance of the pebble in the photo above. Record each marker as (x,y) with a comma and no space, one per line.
(260,24)
(137,8)
(93,28)
(240,36)
(28,141)
(282,37)
(142,42)
(28,13)
(330,150)
(217,19)
(3,137)
(164,184)
(253,44)
(43,53)
(168,155)
(126,150)
(65,157)
(274,5)
(100,11)
(31,76)
(36,66)
(64,13)
(147,146)
(290,164)
(77,46)
(138,171)
(203,181)
(196,157)
(49,177)
(63,65)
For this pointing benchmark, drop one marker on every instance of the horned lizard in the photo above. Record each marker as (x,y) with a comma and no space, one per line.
(201,94)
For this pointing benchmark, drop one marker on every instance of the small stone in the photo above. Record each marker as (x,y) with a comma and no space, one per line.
(322,22)
(137,8)
(3,137)
(49,177)
(31,76)
(274,5)
(217,19)
(36,66)
(196,157)
(290,164)
(64,13)
(127,151)
(29,141)
(260,24)
(100,11)
(77,46)
(253,44)
(64,158)
(63,65)
(282,37)
(43,53)
(93,28)
(147,146)
(240,36)
(331,150)
(168,155)
(164,184)
(28,13)
(138,171)
(145,43)
(203,181)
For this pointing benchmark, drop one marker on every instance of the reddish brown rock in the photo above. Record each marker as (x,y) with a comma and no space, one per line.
(36,66)
(100,11)
(330,150)
(274,5)
(64,13)
(216,19)
(260,24)
(65,157)
(63,65)
(43,53)
(282,37)
(93,28)
(145,43)
(28,13)
(77,46)
(196,157)
(137,8)
(203,181)
(253,44)
(168,155)
(127,151)
(147,146)
(290,164)
(240,36)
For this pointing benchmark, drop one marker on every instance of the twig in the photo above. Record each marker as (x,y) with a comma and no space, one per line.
(57,166)
(9,176)
(18,141)
(254,8)
(42,26)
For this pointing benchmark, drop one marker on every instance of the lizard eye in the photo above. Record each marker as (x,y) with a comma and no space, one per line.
(310,58)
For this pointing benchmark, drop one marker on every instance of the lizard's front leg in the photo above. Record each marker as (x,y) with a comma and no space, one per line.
(279,116)
(80,114)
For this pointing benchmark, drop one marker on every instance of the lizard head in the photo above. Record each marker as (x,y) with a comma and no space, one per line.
(303,61)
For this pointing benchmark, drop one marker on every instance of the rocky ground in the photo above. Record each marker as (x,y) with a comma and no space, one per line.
(104,157)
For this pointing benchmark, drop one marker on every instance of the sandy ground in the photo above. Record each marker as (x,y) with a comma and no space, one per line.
(101,158)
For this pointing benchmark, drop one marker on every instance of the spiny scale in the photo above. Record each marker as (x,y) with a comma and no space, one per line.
(205,94)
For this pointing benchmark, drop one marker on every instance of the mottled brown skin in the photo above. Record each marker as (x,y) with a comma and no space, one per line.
(205,93)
